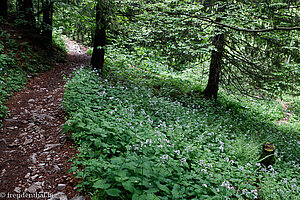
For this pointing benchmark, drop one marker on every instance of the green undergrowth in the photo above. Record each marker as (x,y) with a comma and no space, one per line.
(138,143)
(143,67)
(19,60)
(151,70)
(59,40)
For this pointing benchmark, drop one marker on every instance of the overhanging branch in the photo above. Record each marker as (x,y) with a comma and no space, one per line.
(256,30)
(236,28)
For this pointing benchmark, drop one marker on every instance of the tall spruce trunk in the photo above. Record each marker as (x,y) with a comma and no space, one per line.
(3,9)
(97,61)
(218,41)
(211,90)
(47,21)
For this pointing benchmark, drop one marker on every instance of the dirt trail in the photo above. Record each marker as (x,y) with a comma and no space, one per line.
(33,153)
(288,114)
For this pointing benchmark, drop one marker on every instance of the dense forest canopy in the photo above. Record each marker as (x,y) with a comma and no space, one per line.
(245,46)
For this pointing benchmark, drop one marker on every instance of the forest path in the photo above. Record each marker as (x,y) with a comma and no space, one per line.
(33,153)
(288,114)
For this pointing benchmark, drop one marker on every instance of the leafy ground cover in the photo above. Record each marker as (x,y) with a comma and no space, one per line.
(19,60)
(141,138)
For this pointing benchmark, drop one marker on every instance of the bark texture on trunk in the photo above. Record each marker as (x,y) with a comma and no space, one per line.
(3,9)
(47,21)
(97,61)
(211,90)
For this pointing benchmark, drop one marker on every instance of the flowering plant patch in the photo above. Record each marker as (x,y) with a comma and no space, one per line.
(135,145)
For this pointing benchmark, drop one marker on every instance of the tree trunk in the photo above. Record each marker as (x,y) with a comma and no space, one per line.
(25,12)
(28,12)
(97,61)
(47,21)
(211,90)
(20,8)
(3,9)
(215,67)
(92,38)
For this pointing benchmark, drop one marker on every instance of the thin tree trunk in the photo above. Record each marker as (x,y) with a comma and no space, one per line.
(97,61)
(3,9)
(211,90)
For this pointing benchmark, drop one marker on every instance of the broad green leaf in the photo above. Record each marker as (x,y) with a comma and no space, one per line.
(128,186)
(101,184)
(113,192)
(163,188)
(152,190)
(139,197)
